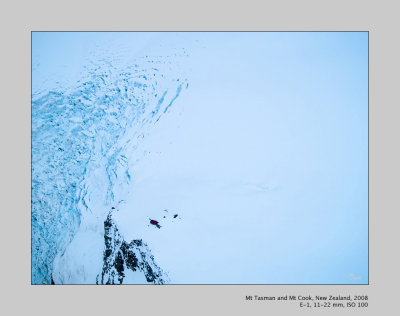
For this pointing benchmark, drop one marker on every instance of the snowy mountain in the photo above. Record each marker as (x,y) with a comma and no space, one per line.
(199,158)
(82,141)
(123,259)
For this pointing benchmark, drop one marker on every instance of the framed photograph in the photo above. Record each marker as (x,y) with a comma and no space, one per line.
(199,158)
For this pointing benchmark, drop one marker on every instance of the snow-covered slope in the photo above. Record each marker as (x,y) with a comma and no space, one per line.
(83,140)
(249,151)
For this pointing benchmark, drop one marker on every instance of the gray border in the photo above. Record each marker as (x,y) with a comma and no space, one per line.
(19,18)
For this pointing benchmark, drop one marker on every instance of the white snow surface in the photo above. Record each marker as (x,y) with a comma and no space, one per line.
(262,157)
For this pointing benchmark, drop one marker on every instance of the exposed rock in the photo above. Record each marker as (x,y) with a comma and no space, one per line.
(120,256)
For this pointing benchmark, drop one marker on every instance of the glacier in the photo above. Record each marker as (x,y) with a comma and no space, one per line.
(83,149)
(248,149)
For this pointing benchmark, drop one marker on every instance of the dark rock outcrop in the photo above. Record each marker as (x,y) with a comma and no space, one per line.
(119,256)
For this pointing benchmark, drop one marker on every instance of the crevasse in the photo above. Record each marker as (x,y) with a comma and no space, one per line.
(90,131)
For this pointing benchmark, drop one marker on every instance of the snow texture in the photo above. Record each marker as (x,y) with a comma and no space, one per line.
(248,151)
